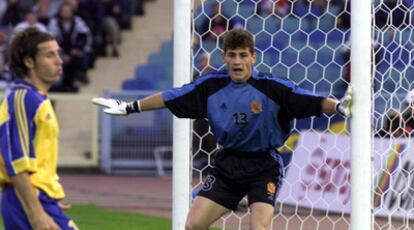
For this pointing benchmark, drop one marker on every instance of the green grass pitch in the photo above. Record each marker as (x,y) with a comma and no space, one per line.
(90,217)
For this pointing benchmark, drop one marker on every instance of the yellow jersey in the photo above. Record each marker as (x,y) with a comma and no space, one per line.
(29,134)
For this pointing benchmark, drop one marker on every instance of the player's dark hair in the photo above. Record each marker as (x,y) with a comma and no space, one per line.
(238,38)
(24,45)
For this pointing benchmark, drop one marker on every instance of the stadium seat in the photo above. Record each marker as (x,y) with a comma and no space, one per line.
(138,84)
(281,40)
(289,57)
(299,9)
(246,9)
(150,71)
(228,8)
(297,73)
(325,56)
(263,41)
(254,24)
(290,24)
(272,24)
(167,47)
(271,57)
(280,70)
(327,23)
(307,56)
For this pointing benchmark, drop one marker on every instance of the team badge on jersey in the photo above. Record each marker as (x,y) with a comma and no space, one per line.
(256,106)
(271,188)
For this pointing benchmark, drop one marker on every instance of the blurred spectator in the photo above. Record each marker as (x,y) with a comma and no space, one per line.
(392,14)
(392,126)
(121,11)
(343,21)
(111,26)
(278,7)
(201,65)
(5,75)
(203,138)
(74,37)
(46,9)
(30,20)
(214,26)
(408,113)
(12,16)
(3,8)
(346,55)
(92,13)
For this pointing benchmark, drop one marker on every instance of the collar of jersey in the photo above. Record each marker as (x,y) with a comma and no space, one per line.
(23,84)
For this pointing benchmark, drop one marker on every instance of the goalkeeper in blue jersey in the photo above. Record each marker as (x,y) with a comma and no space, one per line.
(250,114)
(29,137)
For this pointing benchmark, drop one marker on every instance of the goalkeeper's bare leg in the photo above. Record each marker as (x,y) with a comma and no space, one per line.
(203,213)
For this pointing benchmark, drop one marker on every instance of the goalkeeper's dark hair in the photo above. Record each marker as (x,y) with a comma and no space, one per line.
(238,38)
(24,45)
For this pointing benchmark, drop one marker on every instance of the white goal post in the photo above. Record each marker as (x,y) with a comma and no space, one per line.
(361,218)
(181,127)
(361,133)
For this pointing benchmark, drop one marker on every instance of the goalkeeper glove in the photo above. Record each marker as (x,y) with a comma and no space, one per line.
(117,107)
(344,105)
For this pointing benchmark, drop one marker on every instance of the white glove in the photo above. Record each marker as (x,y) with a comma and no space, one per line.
(117,107)
(344,105)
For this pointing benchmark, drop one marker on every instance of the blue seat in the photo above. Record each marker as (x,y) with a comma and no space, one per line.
(297,73)
(208,46)
(263,41)
(336,35)
(281,40)
(307,56)
(228,8)
(334,72)
(315,73)
(317,37)
(300,10)
(271,57)
(280,71)
(138,84)
(272,24)
(167,47)
(150,71)
(289,57)
(246,9)
(327,22)
(254,24)
(325,56)
(290,24)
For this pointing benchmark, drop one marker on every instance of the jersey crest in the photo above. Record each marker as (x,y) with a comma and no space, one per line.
(256,106)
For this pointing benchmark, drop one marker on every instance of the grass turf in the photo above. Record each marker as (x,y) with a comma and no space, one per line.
(91,217)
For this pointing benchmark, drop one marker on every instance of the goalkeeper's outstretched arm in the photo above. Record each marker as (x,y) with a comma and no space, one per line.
(116,107)
(342,106)
(152,102)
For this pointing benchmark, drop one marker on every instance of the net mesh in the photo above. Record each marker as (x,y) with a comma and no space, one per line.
(307,42)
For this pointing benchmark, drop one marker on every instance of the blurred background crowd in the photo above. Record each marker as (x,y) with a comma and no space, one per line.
(85,30)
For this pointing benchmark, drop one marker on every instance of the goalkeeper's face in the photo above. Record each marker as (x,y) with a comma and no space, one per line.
(239,63)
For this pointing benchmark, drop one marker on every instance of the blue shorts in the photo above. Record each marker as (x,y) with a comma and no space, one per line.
(14,216)
(237,174)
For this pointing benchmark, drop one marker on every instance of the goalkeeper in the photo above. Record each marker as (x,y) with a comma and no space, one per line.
(250,114)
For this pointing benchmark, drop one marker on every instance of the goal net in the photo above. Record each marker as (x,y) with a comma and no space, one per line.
(307,42)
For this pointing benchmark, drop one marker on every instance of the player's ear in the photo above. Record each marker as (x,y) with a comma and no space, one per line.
(28,62)
(254,56)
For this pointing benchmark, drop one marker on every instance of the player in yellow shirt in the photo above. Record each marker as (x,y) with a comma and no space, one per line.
(29,137)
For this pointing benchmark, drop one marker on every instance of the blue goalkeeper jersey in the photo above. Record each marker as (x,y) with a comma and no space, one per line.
(251,116)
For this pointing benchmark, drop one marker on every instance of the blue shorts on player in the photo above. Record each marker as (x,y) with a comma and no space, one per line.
(15,217)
